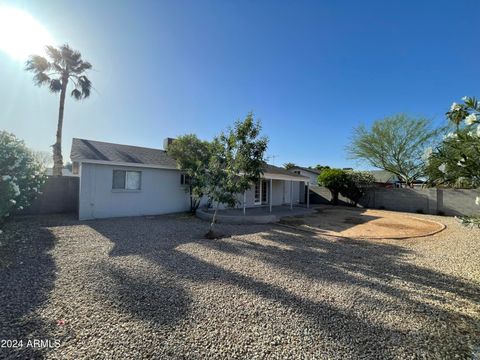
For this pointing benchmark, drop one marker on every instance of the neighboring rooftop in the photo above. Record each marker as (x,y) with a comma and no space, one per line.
(312,170)
(84,150)
(272,169)
(383,176)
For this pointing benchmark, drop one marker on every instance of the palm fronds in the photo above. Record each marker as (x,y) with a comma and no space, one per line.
(63,65)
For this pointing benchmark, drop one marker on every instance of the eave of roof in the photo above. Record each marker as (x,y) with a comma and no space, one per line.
(98,152)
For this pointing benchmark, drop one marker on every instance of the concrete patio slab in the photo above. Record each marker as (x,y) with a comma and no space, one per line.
(256,215)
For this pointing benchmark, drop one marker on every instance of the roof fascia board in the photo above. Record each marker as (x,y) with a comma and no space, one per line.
(118,163)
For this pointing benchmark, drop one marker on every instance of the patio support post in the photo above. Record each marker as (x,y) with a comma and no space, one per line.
(270,196)
(308,195)
(244,201)
(291,194)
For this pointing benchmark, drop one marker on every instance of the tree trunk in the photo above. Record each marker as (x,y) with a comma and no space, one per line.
(214,218)
(192,210)
(334,197)
(57,147)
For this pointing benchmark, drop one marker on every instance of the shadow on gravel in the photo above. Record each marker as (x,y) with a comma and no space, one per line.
(371,267)
(142,297)
(26,279)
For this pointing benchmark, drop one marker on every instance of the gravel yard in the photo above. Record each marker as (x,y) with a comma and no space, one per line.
(137,288)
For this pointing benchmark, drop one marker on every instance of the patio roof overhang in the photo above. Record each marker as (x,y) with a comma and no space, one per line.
(285,177)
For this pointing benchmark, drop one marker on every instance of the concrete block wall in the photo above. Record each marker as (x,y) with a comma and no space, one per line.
(429,201)
(458,201)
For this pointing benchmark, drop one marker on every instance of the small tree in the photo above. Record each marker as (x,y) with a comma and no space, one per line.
(289,165)
(236,162)
(321,167)
(335,180)
(21,175)
(192,156)
(395,144)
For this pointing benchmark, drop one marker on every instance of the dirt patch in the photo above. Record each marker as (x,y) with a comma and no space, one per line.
(366,223)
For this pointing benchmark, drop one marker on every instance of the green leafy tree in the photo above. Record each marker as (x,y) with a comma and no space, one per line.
(321,167)
(335,180)
(21,175)
(193,157)
(289,165)
(396,144)
(64,65)
(237,161)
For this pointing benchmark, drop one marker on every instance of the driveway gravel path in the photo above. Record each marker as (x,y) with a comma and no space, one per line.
(136,288)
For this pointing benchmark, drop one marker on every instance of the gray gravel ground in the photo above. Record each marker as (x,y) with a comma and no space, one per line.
(138,288)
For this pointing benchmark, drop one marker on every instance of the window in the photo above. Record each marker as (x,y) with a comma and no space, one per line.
(184,179)
(296,172)
(126,180)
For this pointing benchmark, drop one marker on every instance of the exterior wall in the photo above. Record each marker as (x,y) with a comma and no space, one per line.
(429,201)
(321,195)
(295,192)
(160,193)
(458,201)
(280,194)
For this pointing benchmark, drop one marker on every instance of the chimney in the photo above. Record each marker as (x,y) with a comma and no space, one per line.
(166,142)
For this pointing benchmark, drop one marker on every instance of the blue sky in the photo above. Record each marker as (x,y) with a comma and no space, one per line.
(310,70)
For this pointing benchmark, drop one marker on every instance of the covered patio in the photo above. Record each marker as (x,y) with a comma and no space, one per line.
(277,194)
(276,187)
(256,215)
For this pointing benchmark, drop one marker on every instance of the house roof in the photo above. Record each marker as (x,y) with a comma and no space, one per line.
(103,152)
(383,176)
(99,151)
(275,170)
(313,171)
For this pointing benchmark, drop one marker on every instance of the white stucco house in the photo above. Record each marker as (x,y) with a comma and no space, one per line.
(122,180)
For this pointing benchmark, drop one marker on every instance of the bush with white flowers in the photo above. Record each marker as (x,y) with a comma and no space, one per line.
(456,160)
(21,175)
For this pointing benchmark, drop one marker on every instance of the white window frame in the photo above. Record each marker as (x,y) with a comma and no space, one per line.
(125,188)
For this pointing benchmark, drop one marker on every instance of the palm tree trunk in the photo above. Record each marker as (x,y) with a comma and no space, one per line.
(57,147)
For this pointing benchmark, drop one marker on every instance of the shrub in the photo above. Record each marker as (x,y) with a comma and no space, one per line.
(472,221)
(357,185)
(351,184)
(21,175)
(335,180)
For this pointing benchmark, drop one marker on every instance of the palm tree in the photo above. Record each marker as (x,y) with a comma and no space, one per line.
(63,65)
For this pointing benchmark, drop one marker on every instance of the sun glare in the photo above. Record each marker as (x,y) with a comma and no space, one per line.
(21,35)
